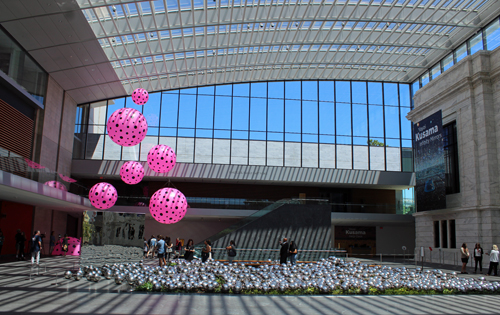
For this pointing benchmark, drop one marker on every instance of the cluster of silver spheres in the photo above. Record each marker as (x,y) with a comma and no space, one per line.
(324,276)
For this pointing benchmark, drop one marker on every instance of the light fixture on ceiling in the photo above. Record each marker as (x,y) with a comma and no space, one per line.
(272,24)
(113,40)
(261,25)
(152,34)
(297,24)
(114,8)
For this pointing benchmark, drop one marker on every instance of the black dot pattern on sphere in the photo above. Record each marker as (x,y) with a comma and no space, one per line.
(162,205)
(123,119)
(161,158)
(99,195)
(140,96)
(132,172)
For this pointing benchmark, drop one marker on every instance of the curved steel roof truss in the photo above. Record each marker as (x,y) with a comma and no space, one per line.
(169,44)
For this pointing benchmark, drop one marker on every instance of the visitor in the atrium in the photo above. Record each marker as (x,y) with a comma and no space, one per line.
(464,251)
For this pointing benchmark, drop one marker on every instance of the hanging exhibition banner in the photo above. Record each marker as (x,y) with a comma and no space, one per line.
(429,163)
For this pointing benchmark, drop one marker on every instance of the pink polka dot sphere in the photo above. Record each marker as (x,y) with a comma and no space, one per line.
(132,172)
(103,195)
(161,158)
(127,127)
(56,184)
(140,96)
(168,205)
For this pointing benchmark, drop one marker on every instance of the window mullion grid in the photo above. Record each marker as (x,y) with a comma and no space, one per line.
(400,130)
(178,114)
(195,125)
(318,130)
(335,119)
(368,124)
(213,123)
(385,134)
(352,127)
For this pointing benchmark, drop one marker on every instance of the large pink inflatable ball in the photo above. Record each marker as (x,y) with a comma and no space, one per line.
(56,184)
(74,247)
(67,179)
(132,172)
(33,165)
(161,158)
(103,195)
(127,127)
(168,205)
(140,96)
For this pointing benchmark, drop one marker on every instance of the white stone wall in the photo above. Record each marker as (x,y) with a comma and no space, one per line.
(467,93)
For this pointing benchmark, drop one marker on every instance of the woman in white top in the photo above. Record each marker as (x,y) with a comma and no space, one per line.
(493,260)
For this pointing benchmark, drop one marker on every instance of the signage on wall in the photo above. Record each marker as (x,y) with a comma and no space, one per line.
(355,233)
(429,163)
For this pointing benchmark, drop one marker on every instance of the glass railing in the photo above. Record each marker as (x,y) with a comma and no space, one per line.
(271,255)
(259,204)
(13,163)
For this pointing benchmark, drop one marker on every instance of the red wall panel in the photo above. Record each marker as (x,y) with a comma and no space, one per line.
(14,216)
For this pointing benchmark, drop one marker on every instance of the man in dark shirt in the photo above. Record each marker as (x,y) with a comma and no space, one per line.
(19,242)
(284,251)
(36,246)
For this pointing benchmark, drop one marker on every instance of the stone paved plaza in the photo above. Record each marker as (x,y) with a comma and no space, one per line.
(49,293)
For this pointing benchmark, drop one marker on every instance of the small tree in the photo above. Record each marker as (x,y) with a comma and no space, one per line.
(375,143)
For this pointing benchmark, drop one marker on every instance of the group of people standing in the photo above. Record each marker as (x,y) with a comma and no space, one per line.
(478,258)
(288,250)
(164,249)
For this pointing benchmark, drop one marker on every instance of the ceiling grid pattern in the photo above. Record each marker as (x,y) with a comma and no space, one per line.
(195,43)
(98,49)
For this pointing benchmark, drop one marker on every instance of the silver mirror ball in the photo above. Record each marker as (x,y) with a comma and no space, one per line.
(324,276)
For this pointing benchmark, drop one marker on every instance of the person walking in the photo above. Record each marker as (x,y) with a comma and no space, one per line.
(168,249)
(52,242)
(478,258)
(231,251)
(464,251)
(146,248)
(2,239)
(36,247)
(205,252)
(160,245)
(18,238)
(284,251)
(493,261)
(189,250)
(152,246)
(293,252)
(22,245)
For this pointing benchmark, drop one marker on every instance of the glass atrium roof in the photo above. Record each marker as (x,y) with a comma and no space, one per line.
(168,44)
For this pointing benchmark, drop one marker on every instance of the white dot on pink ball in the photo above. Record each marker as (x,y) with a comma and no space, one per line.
(161,158)
(132,172)
(103,195)
(127,127)
(168,205)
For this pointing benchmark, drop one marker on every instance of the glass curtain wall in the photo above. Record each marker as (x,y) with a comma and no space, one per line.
(327,124)
(17,64)
(487,38)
